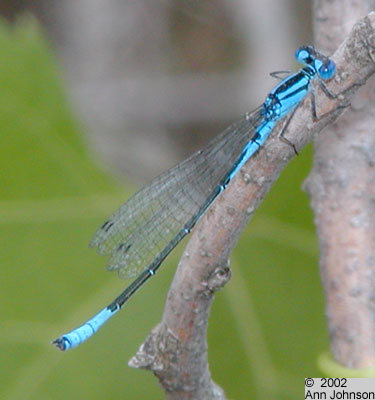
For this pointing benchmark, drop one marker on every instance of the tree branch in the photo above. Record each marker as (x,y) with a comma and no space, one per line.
(176,349)
(342,189)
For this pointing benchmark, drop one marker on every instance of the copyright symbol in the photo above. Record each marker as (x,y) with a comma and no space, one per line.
(309,382)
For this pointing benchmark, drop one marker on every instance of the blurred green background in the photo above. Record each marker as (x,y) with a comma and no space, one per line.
(266,328)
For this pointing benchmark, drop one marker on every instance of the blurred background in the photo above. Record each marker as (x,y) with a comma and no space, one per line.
(96,98)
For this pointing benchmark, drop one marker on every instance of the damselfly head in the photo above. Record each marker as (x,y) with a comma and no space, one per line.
(323,66)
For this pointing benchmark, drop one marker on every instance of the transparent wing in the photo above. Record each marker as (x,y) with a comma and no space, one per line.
(153,220)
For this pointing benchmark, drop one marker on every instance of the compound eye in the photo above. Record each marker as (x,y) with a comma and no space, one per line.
(303,55)
(327,70)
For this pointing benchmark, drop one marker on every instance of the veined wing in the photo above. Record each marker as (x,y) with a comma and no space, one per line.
(147,227)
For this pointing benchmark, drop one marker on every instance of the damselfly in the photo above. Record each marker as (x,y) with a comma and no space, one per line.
(140,235)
